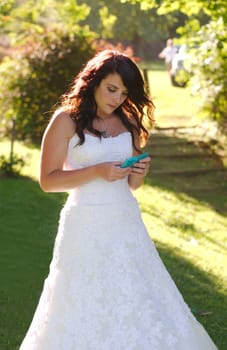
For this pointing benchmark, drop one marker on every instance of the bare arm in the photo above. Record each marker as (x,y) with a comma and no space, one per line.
(53,176)
(162,54)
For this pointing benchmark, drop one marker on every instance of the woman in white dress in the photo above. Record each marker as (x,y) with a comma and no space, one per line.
(107,288)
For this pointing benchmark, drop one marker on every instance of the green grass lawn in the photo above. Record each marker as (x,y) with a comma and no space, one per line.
(28,226)
(189,229)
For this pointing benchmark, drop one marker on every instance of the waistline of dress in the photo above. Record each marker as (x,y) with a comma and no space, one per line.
(95,195)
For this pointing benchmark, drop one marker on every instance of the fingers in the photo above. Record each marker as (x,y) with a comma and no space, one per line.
(114,172)
(121,173)
(141,168)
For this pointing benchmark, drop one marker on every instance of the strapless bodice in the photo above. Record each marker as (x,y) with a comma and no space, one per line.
(94,151)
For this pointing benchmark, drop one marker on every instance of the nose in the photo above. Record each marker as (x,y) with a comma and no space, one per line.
(118,97)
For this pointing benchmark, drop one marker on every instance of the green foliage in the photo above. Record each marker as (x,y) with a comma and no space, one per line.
(209,66)
(205,28)
(32,81)
(49,48)
(68,13)
(31,17)
(122,20)
(11,167)
(190,8)
(213,8)
(144,4)
(108,20)
(6,6)
(5,9)
(181,77)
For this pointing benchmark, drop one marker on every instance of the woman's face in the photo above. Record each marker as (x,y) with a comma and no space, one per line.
(110,94)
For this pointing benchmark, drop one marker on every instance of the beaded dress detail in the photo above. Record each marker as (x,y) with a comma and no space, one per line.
(107,288)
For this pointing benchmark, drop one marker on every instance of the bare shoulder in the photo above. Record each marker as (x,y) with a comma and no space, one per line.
(61,124)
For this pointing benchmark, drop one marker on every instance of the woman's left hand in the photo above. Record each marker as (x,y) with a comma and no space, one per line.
(141,168)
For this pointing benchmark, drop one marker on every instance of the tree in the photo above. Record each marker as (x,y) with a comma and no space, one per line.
(123,21)
(5,9)
(209,67)
(205,30)
(27,17)
(43,63)
(209,62)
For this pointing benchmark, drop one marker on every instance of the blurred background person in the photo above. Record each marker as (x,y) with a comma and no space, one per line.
(168,54)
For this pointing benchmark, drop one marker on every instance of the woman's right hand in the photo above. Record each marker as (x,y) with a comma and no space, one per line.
(111,171)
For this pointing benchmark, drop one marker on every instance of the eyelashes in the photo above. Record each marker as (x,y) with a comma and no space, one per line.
(113,90)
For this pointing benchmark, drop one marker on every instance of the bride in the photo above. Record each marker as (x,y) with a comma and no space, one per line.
(107,288)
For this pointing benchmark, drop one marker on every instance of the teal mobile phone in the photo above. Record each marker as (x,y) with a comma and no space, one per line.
(131,161)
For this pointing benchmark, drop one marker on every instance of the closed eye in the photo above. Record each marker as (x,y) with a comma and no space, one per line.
(114,89)
(110,89)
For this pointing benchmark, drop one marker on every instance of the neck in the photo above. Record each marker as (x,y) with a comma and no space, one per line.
(104,124)
(106,117)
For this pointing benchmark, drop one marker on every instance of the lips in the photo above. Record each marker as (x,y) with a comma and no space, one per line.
(113,107)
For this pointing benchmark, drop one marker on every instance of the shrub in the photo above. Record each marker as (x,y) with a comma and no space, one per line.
(33,80)
(209,66)
(12,166)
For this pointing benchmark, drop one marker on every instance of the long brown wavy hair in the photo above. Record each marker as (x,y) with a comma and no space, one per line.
(81,105)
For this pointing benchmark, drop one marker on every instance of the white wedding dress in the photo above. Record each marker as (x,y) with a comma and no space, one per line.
(107,287)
